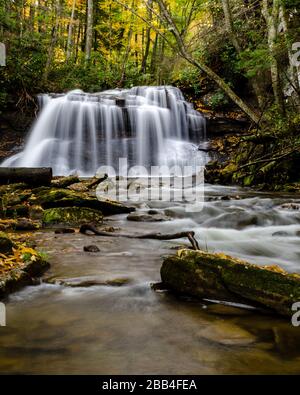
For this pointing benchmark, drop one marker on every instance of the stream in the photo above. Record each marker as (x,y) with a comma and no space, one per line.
(122,326)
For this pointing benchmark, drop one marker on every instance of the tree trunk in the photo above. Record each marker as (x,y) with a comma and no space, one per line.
(54,36)
(32,176)
(70,30)
(271,19)
(207,70)
(89,31)
(148,40)
(294,79)
(223,278)
(235,42)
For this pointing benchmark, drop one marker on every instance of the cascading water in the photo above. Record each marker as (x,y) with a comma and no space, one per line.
(78,132)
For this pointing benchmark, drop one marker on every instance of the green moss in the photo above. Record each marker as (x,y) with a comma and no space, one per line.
(248,180)
(222,277)
(72,216)
(56,197)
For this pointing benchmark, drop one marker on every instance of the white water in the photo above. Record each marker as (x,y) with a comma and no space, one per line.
(78,132)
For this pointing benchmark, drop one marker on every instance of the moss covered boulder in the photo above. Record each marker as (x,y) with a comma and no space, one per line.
(71,216)
(6,244)
(22,274)
(57,197)
(221,277)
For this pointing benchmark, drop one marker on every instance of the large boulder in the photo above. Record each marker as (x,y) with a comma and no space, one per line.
(221,277)
(71,216)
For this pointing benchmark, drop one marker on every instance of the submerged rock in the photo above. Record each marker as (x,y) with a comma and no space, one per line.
(221,277)
(151,216)
(227,334)
(91,248)
(78,283)
(71,216)
(280,233)
(291,206)
(64,231)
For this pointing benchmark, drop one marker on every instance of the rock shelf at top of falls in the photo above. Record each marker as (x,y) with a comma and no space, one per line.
(80,132)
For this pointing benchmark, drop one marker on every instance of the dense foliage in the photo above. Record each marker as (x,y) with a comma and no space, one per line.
(241,52)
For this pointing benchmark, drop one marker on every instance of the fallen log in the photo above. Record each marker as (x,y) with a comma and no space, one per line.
(32,176)
(220,277)
(156,236)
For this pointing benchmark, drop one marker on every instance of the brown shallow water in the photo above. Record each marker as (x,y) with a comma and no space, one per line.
(131,329)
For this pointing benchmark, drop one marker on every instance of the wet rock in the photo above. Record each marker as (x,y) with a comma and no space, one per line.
(147,217)
(158,287)
(71,216)
(91,248)
(280,233)
(227,310)
(36,212)
(63,182)
(80,187)
(64,231)
(19,210)
(118,282)
(287,339)
(227,334)
(109,229)
(26,224)
(9,188)
(22,276)
(78,283)
(290,206)
(6,245)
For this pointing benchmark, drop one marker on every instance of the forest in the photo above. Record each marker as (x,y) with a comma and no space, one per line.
(226,55)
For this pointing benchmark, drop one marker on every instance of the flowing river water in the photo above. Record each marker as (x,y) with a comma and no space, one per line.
(131,329)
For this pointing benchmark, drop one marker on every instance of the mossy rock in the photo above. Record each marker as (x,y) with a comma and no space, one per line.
(221,277)
(6,245)
(57,197)
(71,216)
(19,277)
(20,210)
(63,182)
(12,187)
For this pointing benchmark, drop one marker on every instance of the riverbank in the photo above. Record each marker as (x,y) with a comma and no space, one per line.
(25,208)
(20,264)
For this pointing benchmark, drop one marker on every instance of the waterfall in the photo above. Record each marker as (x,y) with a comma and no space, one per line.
(78,132)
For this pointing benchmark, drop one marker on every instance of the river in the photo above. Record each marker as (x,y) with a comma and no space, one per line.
(131,329)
